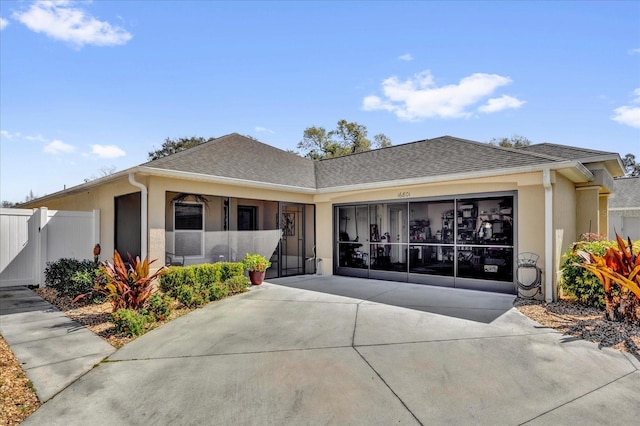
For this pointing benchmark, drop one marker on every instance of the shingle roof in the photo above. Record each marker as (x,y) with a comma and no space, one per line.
(236,156)
(566,152)
(431,157)
(626,193)
(239,157)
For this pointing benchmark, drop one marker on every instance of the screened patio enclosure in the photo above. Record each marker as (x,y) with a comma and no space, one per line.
(458,241)
(209,229)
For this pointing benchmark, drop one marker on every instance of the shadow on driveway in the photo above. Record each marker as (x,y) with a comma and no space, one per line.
(471,305)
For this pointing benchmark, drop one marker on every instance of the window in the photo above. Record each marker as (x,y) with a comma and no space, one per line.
(189,229)
(247,218)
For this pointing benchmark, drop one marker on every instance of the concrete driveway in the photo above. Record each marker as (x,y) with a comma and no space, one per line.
(288,356)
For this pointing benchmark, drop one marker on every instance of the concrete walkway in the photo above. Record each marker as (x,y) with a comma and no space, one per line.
(288,356)
(54,350)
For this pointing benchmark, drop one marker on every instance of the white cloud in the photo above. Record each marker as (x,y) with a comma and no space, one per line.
(36,138)
(419,97)
(57,146)
(498,104)
(107,151)
(5,134)
(629,114)
(3,24)
(634,52)
(406,57)
(264,130)
(60,20)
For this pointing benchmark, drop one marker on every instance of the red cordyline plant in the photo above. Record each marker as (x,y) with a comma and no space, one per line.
(125,286)
(619,266)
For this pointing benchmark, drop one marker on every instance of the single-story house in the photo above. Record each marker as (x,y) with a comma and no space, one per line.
(443,211)
(624,208)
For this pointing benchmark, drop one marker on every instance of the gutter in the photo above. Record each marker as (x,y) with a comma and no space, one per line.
(548,234)
(144,254)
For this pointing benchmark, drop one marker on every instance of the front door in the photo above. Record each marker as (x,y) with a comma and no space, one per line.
(292,253)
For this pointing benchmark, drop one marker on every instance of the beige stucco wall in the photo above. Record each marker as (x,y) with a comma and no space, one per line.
(564,223)
(603,214)
(587,208)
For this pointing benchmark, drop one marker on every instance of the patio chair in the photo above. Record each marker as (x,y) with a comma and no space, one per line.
(172,259)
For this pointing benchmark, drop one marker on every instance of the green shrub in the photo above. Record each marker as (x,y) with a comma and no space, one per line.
(206,273)
(217,291)
(578,282)
(196,285)
(159,306)
(177,276)
(192,297)
(71,277)
(237,284)
(230,269)
(129,322)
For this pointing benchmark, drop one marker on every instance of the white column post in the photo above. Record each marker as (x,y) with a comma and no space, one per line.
(548,235)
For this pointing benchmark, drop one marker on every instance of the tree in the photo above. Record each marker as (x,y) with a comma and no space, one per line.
(30,196)
(515,141)
(347,138)
(104,171)
(631,168)
(8,204)
(171,146)
(381,141)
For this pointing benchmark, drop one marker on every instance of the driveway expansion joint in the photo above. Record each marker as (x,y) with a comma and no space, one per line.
(578,397)
(388,387)
(230,354)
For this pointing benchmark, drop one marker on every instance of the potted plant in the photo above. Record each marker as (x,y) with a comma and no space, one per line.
(257,266)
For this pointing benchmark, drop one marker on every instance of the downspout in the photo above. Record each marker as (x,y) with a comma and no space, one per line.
(548,235)
(143,215)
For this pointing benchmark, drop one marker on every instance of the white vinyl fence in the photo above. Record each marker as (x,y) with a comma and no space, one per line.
(31,238)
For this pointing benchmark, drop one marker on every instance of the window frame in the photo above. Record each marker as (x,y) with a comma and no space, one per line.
(189,231)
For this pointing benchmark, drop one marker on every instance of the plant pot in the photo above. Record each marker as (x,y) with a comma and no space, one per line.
(256,277)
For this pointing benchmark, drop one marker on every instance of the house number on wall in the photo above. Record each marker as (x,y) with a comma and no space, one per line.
(405,194)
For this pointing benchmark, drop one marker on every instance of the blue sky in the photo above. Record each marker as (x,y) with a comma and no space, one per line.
(88,86)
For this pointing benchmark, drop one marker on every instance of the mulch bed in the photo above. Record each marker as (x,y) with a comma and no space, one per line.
(586,323)
(17,398)
(97,316)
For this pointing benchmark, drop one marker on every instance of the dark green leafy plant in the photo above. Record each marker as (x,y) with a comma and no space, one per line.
(71,277)
(129,322)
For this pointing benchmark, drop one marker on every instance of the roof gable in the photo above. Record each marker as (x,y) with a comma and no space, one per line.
(239,157)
